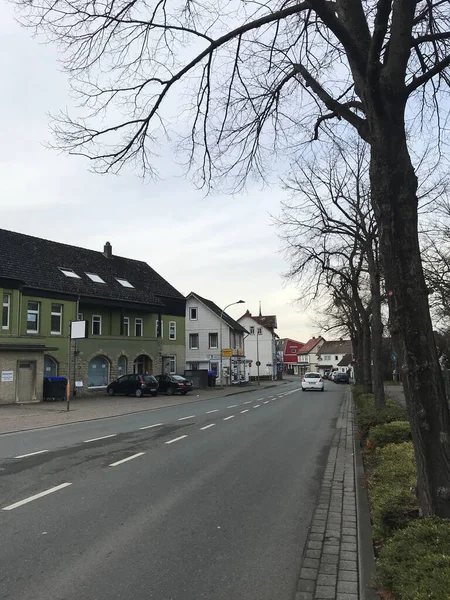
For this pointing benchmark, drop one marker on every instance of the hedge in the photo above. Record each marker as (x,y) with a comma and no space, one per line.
(391,489)
(368,416)
(415,563)
(394,432)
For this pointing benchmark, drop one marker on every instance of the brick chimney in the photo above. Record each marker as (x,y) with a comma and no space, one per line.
(107,250)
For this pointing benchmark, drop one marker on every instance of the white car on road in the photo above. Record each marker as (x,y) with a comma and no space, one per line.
(312,381)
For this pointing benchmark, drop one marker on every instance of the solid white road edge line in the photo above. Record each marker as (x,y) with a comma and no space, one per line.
(244,411)
(104,437)
(230,417)
(119,462)
(176,439)
(32,454)
(207,427)
(208,412)
(184,418)
(36,496)
(150,426)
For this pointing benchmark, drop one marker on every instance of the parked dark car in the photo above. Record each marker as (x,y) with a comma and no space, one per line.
(174,384)
(136,385)
(341,378)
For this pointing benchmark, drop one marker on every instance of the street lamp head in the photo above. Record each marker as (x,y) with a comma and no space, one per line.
(240,302)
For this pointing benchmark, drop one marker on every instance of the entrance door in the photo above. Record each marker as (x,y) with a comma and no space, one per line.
(26,381)
(142,365)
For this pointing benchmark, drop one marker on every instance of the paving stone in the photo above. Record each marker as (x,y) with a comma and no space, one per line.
(349,539)
(347,597)
(325,591)
(332,540)
(347,575)
(347,587)
(314,545)
(318,537)
(347,555)
(312,563)
(306,585)
(347,565)
(308,573)
(331,559)
(349,531)
(317,529)
(350,547)
(334,514)
(327,579)
(304,596)
(326,569)
(328,549)
(313,553)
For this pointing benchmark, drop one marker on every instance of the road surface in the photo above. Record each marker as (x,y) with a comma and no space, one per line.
(210,500)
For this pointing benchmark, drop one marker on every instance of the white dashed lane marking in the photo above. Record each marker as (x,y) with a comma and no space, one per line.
(150,426)
(257,405)
(124,460)
(189,417)
(248,402)
(266,402)
(31,454)
(103,437)
(36,496)
(208,412)
(232,406)
(230,417)
(177,439)
(244,411)
(207,427)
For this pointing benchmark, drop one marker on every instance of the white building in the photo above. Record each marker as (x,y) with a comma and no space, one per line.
(260,344)
(203,340)
(336,355)
(308,356)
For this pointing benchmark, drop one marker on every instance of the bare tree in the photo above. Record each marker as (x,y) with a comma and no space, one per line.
(330,222)
(268,77)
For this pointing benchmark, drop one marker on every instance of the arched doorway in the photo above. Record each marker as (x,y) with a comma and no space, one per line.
(50,367)
(98,372)
(143,365)
(122,366)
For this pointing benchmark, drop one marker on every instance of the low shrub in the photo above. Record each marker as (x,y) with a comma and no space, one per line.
(357,391)
(391,488)
(394,432)
(415,563)
(368,416)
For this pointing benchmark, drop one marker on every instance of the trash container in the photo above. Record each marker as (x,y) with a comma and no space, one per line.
(55,388)
(211,379)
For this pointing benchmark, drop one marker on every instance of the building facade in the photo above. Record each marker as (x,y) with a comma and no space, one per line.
(135,318)
(290,349)
(260,344)
(308,358)
(209,331)
(336,356)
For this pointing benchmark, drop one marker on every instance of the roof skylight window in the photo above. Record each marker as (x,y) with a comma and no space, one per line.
(124,282)
(95,278)
(69,273)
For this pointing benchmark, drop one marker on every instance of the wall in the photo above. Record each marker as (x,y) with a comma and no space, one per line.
(207,322)
(8,362)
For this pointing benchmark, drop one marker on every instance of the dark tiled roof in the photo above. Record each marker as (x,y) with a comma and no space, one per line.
(345,362)
(336,347)
(310,345)
(35,262)
(218,311)
(267,321)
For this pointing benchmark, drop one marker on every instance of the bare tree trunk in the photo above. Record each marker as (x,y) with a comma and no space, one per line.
(394,197)
(377,333)
(357,353)
(367,355)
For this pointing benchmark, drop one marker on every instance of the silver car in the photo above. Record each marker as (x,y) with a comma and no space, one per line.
(312,381)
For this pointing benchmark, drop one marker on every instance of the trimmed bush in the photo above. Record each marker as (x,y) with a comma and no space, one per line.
(394,432)
(415,563)
(368,416)
(391,488)
(357,390)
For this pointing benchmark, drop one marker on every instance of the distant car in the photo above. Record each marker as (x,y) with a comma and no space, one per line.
(136,385)
(174,384)
(312,381)
(341,378)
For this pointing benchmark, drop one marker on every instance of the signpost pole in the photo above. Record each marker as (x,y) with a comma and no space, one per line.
(257,354)
(69,355)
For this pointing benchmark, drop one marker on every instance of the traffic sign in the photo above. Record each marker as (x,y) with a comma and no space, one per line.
(227,353)
(394,357)
(258,363)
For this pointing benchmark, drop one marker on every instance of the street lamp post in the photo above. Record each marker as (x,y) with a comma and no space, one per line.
(221,345)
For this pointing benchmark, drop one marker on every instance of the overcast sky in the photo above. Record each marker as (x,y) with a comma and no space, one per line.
(222,247)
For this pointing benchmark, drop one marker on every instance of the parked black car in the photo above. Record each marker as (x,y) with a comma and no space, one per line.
(174,384)
(137,385)
(341,378)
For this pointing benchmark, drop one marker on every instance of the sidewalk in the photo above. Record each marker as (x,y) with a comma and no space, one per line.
(21,417)
(396,393)
(331,566)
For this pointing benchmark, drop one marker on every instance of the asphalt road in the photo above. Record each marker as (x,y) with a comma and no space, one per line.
(214,500)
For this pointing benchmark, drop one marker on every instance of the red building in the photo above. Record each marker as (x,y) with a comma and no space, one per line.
(290,349)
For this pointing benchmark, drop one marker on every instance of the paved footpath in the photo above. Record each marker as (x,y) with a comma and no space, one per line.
(20,417)
(329,567)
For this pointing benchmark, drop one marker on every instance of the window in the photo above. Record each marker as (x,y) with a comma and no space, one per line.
(69,273)
(172,330)
(234,339)
(252,330)
(56,319)
(6,310)
(126,326)
(213,340)
(50,367)
(159,328)
(138,327)
(195,366)
(124,283)
(193,314)
(336,358)
(259,330)
(98,371)
(33,317)
(96,325)
(327,357)
(193,341)
(95,278)
(122,365)
(294,350)
(172,364)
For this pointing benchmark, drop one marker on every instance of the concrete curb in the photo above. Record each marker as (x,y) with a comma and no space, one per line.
(366,557)
(136,412)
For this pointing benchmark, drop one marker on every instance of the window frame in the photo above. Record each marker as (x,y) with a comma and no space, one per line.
(70,273)
(138,321)
(161,330)
(124,282)
(259,332)
(95,278)
(191,308)
(126,326)
(172,360)
(252,330)
(100,323)
(209,340)
(172,324)
(6,304)
(59,314)
(36,312)
(191,347)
